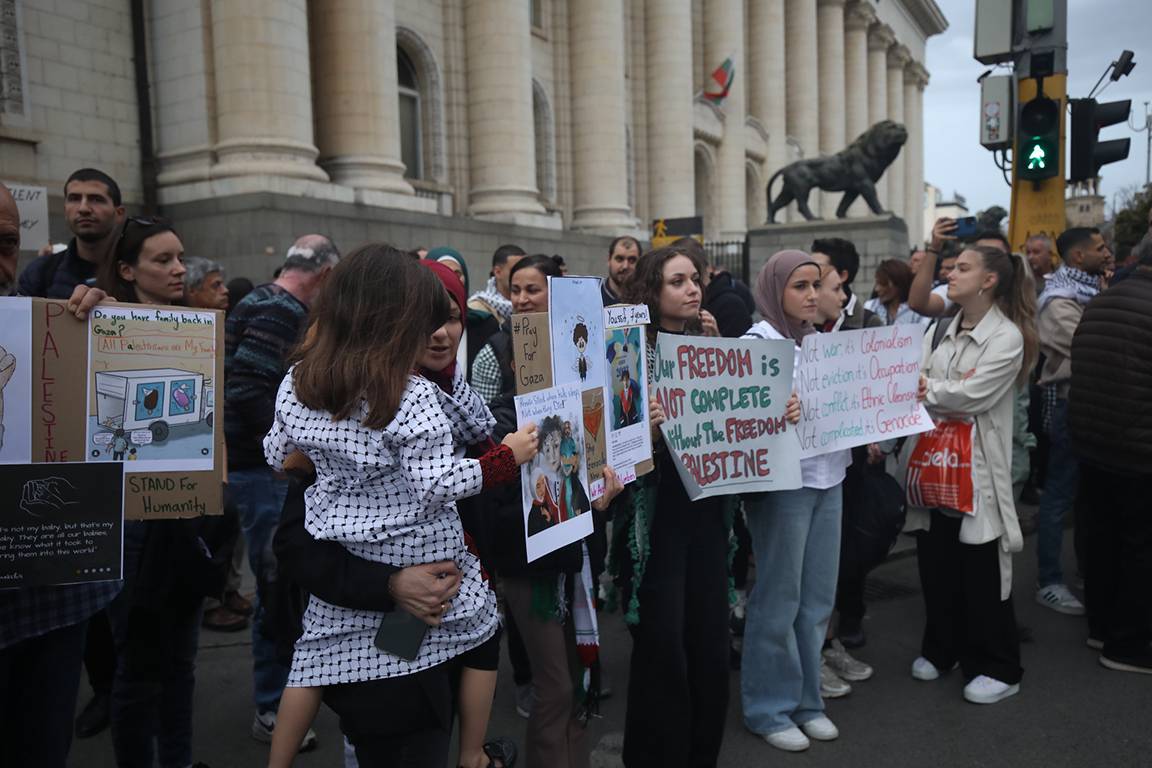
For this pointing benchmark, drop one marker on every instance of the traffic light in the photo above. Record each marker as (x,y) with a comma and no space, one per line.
(1037,154)
(1088,152)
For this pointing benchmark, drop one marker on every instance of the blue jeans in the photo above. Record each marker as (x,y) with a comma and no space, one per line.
(796,540)
(260,498)
(145,711)
(1059,498)
(39,680)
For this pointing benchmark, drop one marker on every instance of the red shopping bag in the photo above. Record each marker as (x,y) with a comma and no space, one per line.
(940,469)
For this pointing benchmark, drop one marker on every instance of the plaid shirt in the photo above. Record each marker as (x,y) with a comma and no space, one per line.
(33,611)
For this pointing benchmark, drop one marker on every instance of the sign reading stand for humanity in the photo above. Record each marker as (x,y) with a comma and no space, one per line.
(859,387)
(724,402)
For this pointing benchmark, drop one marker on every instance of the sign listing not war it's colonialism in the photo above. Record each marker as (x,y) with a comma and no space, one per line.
(859,387)
(724,402)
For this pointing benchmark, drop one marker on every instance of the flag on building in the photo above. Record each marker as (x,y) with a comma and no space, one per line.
(718,85)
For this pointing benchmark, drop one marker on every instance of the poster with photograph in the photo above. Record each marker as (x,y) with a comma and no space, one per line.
(576,324)
(724,402)
(555,483)
(151,400)
(60,523)
(629,441)
(15,380)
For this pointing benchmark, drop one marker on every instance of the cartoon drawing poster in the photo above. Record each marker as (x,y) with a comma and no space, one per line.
(151,399)
(555,483)
(629,438)
(15,381)
(576,325)
(60,523)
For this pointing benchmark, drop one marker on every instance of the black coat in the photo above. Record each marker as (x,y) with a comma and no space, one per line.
(1110,395)
(727,306)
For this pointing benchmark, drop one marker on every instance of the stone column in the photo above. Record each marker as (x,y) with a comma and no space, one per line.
(880,39)
(499,60)
(671,166)
(357,108)
(830,18)
(915,78)
(263,89)
(801,80)
(184,91)
(599,145)
(724,33)
(766,77)
(858,16)
(898,58)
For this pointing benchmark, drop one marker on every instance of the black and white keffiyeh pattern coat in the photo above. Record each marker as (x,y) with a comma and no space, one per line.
(388,495)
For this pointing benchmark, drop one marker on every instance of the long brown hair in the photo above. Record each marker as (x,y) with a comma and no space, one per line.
(648,281)
(134,232)
(374,313)
(1015,296)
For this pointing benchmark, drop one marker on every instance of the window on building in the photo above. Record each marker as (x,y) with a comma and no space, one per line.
(411,148)
(536,13)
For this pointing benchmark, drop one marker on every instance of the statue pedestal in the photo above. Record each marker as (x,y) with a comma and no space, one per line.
(876,238)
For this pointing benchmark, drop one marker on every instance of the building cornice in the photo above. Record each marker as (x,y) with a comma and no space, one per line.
(927,16)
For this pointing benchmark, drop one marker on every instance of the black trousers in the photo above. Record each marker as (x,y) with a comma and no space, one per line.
(399,722)
(100,654)
(850,604)
(967,620)
(678,681)
(1118,582)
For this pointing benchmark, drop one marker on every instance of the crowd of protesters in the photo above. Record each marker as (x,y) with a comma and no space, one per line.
(372,470)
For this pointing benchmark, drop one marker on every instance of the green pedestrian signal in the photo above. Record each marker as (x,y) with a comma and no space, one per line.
(1036,159)
(1038,139)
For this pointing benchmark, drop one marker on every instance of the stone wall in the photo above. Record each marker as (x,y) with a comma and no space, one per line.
(237,231)
(876,239)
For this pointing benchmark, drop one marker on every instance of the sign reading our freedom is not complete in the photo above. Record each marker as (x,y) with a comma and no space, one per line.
(724,402)
(859,387)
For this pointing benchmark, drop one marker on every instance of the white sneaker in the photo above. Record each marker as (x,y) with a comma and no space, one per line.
(843,664)
(922,669)
(988,690)
(831,686)
(264,726)
(1058,598)
(821,729)
(791,740)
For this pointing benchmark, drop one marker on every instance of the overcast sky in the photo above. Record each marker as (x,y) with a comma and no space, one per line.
(1098,30)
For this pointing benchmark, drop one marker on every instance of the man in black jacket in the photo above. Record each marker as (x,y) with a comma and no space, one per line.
(93,211)
(1110,422)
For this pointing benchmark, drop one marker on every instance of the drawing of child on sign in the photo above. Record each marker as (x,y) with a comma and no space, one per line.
(118,445)
(580,339)
(544,512)
(575,500)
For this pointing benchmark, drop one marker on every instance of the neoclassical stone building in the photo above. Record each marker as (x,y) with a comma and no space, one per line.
(555,123)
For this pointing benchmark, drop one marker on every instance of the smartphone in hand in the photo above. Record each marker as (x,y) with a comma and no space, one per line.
(965,227)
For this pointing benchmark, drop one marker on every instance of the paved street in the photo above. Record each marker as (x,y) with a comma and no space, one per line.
(1071,711)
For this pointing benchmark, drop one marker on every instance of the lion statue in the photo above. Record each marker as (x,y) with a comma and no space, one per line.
(853,171)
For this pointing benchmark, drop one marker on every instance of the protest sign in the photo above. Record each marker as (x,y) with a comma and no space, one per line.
(32,205)
(859,387)
(724,402)
(629,439)
(532,352)
(133,387)
(554,485)
(60,523)
(576,319)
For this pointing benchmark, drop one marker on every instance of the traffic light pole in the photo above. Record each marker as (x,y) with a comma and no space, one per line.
(1038,207)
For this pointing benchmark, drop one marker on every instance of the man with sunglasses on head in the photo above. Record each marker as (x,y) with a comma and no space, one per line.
(93,211)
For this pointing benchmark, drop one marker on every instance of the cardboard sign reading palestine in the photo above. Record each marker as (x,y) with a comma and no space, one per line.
(724,402)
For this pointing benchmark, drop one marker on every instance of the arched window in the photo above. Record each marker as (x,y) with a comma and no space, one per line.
(411,132)
(705,179)
(757,212)
(545,138)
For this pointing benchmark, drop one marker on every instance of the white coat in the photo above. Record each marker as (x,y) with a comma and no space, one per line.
(994,349)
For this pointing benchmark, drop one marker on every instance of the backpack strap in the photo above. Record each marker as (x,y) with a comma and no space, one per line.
(939,331)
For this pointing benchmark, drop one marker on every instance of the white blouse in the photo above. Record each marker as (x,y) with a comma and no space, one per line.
(388,495)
